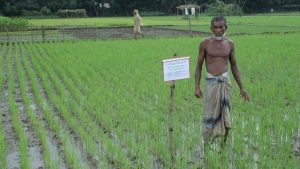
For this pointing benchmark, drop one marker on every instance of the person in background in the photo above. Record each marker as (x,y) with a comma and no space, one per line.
(217,51)
(137,24)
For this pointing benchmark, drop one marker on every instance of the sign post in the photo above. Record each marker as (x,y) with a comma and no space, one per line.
(174,69)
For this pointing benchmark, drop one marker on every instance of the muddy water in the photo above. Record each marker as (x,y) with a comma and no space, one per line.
(296,142)
(255,146)
(55,154)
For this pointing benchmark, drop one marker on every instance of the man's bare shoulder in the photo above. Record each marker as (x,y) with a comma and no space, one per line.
(205,41)
(231,43)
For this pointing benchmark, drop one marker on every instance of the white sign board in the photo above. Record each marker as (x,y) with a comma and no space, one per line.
(177,68)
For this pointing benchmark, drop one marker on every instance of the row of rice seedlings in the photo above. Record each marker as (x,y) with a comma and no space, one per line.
(123,107)
(3,147)
(81,69)
(137,111)
(41,102)
(17,123)
(143,111)
(52,121)
(59,104)
(37,125)
(78,68)
(88,122)
(87,139)
(69,103)
(93,82)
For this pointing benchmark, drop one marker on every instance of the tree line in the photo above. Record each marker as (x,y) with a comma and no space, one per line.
(125,7)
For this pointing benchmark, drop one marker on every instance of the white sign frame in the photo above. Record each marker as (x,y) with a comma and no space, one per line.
(176,68)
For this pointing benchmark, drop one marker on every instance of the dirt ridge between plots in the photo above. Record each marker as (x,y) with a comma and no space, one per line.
(105,33)
(127,32)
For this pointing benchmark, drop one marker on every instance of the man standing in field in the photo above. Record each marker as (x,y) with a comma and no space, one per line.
(137,24)
(217,51)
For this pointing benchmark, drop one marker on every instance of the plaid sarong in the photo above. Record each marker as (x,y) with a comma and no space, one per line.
(217,105)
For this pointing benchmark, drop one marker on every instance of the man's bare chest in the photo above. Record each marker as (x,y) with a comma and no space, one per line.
(218,50)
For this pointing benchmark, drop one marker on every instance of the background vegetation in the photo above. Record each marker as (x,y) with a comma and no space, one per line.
(125,7)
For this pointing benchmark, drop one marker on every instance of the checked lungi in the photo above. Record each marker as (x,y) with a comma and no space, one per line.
(217,105)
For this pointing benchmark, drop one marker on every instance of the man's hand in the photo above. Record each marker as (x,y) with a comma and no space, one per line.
(244,95)
(198,92)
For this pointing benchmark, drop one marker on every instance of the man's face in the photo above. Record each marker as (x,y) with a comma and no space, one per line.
(218,28)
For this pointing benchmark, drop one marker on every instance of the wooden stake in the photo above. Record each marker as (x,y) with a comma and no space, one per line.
(171,130)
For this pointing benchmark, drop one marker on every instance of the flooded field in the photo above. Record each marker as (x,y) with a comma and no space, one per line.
(103,104)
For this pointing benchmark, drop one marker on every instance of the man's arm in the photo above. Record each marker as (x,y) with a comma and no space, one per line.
(236,73)
(201,56)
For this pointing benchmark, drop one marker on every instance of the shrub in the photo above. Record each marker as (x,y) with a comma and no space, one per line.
(72,13)
(152,13)
(46,11)
(220,8)
(12,23)
(30,13)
